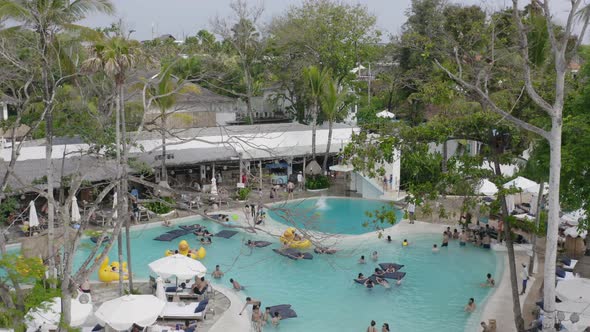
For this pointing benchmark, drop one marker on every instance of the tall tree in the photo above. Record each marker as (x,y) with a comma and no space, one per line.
(561,51)
(316,80)
(334,107)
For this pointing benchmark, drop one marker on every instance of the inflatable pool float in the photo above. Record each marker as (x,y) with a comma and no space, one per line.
(184,249)
(106,273)
(288,238)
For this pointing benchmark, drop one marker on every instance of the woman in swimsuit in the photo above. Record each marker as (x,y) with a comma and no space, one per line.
(372,327)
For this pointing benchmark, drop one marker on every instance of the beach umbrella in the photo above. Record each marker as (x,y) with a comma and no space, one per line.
(574,232)
(121,313)
(486,187)
(213,186)
(115,213)
(160,290)
(75,210)
(33,218)
(47,316)
(179,266)
(385,115)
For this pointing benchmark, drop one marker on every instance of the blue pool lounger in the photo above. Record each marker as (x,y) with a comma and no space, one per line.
(226,234)
(191,228)
(171,235)
(292,253)
(284,310)
(261,244)
(384,266)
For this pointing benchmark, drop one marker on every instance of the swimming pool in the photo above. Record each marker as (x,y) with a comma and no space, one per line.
(332,215)
(321,290)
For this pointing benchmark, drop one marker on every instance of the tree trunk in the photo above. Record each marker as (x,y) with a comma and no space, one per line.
(445,155)
(552,224)
(537,220)
(119,172)
(125,188)
(330,124)
(518,319)
(314,120)
(164,172)
(249,94)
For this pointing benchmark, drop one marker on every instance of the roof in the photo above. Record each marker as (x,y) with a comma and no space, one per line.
(94,169)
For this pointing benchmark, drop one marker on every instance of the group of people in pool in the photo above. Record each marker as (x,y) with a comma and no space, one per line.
(260,319)
(377,277)
(405,242)
(372,328)
(481,238)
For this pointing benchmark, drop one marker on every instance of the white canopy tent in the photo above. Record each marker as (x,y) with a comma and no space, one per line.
(524,184)
(46,317)
(486,187)
(575,232)
(121,313)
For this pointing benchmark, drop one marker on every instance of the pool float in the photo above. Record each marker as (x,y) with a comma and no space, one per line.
(288,236)
(106,273)
(184,249)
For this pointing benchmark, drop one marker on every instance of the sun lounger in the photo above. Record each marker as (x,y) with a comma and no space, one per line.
(562,274)
(171,235)
(568,264)
(384,266)
(190,228)
(394,275)
(182,311)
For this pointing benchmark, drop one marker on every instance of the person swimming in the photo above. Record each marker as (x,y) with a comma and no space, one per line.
(435,248)
(405,243)
(362,260)
(375,256)
(361,277)
(251,244)
(382,282)
(379,272)
(389,238)
(369,283)
(206,241)
(390,268)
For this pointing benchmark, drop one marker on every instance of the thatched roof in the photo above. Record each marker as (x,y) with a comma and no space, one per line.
(20,132)
(36,245)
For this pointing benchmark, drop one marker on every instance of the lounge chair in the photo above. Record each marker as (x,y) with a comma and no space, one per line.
(568,264)
(561,274)
(184,311)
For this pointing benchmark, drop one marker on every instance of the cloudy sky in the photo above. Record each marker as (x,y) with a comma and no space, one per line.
(185,17)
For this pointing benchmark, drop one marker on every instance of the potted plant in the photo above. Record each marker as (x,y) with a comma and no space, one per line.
(242,194)
(317,182)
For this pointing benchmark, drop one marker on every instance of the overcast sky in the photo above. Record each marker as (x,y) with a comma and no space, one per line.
(185,17)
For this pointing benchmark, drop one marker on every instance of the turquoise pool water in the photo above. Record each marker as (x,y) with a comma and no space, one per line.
(432,297)
(331,215)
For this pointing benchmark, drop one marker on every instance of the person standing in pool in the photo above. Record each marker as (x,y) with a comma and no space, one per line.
(385,328)
(276,320)
(405,243)
(266,316)
(236,285)
(445,241)
(462,239)
(375,256)
(455,234)
(435,248)
(217,273)
(256,319)
(490,282)
(362,260)
(250,301)
(372,327)
(470,307)
(389,238)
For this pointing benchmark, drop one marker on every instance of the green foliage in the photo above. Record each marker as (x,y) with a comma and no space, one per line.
(383,217)
(7,206)
(141,167)
(318,181)
(163,206)
(243,193)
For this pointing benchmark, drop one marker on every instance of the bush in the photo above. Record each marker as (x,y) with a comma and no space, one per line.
(163,206)
(243,193)
(318,181)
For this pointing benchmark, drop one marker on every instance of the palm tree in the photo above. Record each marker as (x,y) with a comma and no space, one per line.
(334,106)
(116,56)
(316,80)
(48,18)
(165,94)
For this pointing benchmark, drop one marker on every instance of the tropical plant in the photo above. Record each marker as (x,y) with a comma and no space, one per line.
(162,206)
(334,107)
(243,193)
(317,181)
(316,81)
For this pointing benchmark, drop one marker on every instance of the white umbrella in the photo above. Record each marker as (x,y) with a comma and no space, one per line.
(524,184)
(179,266)
(386,115)
(75,210)
(115,214)
(121,313)
(573,218)
(160,290)
(213,186)
(575,290)
(33,218)
(486,187)
(47,316)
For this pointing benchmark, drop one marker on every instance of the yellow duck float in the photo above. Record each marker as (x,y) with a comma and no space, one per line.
(185,250)
(289,238)
(108,273)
